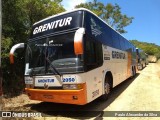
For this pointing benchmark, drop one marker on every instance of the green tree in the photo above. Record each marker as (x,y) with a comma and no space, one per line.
(109,13)
(17,19)
(36,10)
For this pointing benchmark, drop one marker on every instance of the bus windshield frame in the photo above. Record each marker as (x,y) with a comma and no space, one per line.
(47,55)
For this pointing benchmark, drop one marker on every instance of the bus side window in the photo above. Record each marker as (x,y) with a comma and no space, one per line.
(94,56)
(90,53)
(99,54)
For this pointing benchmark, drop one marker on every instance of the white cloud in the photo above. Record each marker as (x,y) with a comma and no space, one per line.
(70,4)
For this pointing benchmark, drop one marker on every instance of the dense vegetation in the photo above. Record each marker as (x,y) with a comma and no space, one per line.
(17,19)
(149,48)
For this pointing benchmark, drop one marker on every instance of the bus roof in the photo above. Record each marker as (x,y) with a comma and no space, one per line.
(78,9)
(59,14)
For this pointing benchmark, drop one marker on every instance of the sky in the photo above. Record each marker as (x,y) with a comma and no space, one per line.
(145,26)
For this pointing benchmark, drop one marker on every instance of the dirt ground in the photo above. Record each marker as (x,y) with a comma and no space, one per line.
(141,93)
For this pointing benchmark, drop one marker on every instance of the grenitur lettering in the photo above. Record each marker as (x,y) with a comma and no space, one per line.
(52,25)
(118,55)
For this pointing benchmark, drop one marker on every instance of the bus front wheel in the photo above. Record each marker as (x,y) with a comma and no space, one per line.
(107,88)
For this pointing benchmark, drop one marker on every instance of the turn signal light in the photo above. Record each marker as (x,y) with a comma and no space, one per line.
(72,86)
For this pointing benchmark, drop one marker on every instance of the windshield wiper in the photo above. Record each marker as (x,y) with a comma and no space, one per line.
(32,70)
(55,70)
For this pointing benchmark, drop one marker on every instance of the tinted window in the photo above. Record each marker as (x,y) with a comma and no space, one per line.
(103,33)
(116,40)
(122,43)
(90,53)
(107,35)
(59,47)
(57,51)
(97,29)
(93,54)
(126,45)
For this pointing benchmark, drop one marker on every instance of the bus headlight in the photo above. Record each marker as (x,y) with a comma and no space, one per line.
(72,86)
(29,82)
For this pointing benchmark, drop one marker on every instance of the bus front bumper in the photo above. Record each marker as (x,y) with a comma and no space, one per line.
(78,97)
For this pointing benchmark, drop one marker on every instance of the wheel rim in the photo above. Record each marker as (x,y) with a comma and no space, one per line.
(107,88)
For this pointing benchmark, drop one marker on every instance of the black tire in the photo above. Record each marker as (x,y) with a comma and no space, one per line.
(135,71)
(107,89)
(132,72)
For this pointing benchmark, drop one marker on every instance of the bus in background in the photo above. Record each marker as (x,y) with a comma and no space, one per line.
(142,59)
(147,58)
(75,57)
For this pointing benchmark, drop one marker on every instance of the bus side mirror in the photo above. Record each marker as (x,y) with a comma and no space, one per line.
(13,49)
(78,41)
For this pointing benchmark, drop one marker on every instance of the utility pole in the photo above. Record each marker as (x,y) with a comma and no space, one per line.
(0,28)
(0,47)
(0,57)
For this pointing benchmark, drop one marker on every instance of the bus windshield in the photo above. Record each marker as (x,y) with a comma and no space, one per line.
(51,54)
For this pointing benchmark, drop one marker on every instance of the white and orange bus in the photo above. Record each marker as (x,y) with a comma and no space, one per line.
(75,57)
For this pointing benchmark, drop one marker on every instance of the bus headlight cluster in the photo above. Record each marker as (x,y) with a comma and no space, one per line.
(72,86)
(29,82)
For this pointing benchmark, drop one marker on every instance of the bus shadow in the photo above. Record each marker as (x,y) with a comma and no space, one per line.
(93,109)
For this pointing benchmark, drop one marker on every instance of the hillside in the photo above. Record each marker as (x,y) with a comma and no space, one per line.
(149,48)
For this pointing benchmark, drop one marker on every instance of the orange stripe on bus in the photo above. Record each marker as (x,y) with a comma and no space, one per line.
(129,65)
(78,97)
